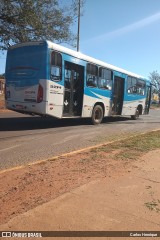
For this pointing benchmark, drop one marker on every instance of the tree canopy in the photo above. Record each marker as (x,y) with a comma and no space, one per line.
(2,76)
(31,20)
(155,80)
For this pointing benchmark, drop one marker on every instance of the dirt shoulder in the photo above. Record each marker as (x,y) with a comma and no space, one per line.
(2,102)
(27,187)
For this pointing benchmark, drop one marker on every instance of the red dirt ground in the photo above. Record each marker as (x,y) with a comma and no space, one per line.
(25,188)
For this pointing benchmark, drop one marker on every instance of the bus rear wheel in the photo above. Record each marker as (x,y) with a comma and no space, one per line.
(136,116)
(97,115)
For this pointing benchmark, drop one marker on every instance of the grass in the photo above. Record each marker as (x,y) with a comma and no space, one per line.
(157,105)
(143,142)
(153,205)
(110,138)
(133,147)
(83,160)
(129,149)
(138,145)
(126,154)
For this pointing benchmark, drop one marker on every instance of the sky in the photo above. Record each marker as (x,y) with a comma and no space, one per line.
(124,33)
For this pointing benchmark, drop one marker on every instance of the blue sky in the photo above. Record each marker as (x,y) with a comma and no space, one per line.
(125,33)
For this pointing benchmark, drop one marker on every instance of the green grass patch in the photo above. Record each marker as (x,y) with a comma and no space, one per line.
(84,160)
(142,143)
(127,154)
(110,138)
(152,206)
(133,147)
(106,149)
(157,105)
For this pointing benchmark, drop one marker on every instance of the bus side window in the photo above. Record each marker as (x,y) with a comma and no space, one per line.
(105,79)
(132,85)
(141,87)
(92,75)
(135,86)
(129,84)
(56,66)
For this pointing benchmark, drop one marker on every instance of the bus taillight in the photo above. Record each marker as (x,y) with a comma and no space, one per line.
(40,94)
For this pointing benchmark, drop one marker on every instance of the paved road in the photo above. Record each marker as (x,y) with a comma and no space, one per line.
(25,139)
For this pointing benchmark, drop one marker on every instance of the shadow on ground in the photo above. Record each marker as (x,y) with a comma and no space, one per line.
(19,123)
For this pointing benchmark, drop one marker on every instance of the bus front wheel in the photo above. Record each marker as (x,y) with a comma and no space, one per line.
(136,116)
(97,114)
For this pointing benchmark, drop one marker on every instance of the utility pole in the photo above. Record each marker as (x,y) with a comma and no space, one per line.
(78,33)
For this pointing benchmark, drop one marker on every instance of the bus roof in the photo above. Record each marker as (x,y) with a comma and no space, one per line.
(78,55)
(90,59)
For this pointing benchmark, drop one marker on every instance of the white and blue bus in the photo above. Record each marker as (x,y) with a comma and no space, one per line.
(47,79)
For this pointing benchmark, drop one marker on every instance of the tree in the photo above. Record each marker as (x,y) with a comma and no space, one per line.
(2,76)
(155,80)
(26,20)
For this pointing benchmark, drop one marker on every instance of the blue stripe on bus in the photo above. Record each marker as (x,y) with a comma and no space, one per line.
(133,97)
(92,92)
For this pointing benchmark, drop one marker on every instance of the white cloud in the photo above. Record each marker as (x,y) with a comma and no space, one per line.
(129,28)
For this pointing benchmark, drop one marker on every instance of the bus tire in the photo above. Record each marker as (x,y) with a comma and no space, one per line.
(136,116)
(97,115)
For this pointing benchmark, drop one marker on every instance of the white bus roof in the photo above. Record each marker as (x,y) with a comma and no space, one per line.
(90,59)
(78,55)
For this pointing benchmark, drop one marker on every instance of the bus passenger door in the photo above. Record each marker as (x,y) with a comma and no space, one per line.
(118,95)
(74,88)
(148,100)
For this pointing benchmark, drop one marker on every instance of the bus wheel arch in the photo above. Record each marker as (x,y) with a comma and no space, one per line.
(97,113)
(137,113)
(140,109)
